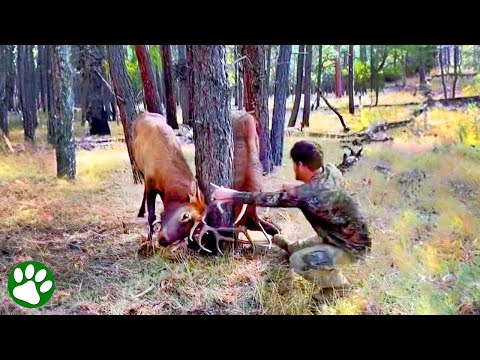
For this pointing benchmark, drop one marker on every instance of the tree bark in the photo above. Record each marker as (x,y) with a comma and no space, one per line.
(280,103)
(125,97)
(440,60)
(307,87)
(338,74)
(90,62)
(269,55)
(239,65)
(214,164)
(11,76)
(50,94)
(152,97)
(256,98)
(363,53)
(189,54)
(169,90)
(298,87)
(25,66)
(3,90)
(65,139)
(319,76)
(405,64)
(351,104)
(41,76)
(183,70)
(456,51)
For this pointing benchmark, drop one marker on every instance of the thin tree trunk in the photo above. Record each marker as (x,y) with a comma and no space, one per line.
(440,60)
(91,59)
(351,104)
(3,90)
(182,64)
(338,74)
(25,67)
(169,90)
(125,99)
(41,76)
(11,76)
(189,54)
(214,164)
(152,98)
(49,79)
(405,57)
(455,68)
(269,53)
(363,53)
(256,98)
(280,103)
(65,145)
(319,76)
(240,90)
(307,87)
(298,87)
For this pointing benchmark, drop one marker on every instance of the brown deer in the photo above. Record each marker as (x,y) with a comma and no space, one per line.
(166,172)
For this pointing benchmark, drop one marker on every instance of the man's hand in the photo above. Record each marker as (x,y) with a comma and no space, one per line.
(223,194)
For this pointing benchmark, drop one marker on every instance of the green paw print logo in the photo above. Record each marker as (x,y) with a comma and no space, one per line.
(31,284)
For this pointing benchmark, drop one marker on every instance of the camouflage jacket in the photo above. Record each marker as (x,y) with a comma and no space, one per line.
(328,206)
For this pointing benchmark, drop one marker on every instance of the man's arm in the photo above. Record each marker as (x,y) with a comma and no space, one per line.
(282,198)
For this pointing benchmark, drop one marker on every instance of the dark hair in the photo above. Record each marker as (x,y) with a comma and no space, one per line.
(309,153)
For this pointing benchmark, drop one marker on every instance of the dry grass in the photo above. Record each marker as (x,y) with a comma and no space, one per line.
(425,257)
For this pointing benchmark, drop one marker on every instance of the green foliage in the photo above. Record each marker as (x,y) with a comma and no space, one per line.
(133,70)
(361,74)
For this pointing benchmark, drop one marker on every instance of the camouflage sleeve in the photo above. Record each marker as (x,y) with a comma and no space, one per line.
(288,198)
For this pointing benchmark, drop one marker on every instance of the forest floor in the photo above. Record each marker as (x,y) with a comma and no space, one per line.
(420,194)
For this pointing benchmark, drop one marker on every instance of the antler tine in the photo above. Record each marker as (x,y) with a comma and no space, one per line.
(218,237)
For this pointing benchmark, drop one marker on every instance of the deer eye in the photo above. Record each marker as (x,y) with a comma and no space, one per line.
(185,216)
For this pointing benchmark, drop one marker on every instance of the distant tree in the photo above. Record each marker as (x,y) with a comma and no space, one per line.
(319,76)
(456,56)
(307,86)
(351,105)
(338,73)
(440,60)
(3,89)
(169,88)
(298,86)
(26,74)
(182,73)
(279,103)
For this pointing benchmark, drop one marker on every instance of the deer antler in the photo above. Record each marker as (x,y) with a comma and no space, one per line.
(218,237)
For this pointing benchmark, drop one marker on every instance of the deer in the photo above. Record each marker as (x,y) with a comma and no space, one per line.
(160,159)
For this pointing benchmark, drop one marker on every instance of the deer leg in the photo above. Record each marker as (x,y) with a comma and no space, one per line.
(151,195)
(141,212)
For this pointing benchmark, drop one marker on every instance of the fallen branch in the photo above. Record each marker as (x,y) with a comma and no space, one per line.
(9,145)
(345,128)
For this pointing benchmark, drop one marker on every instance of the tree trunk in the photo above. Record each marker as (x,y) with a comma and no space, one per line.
(152,98)
(405,57)
(307,87)
(440,60)
(41,76)
(25,66)
(280,103)
(125,100)
(456,50)
(298,86)
(3,90)
(269,56)
(65,145)
(338,74)
(256,98)
(363,53)
(91,58)
(240,91)
(319,76)
(50,83)
(182,64)
(169,90)
(421,73)
(214,164)
(190,84)
(11,76)
(351,104)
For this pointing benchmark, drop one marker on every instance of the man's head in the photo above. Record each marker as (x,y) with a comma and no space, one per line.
(307,158)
